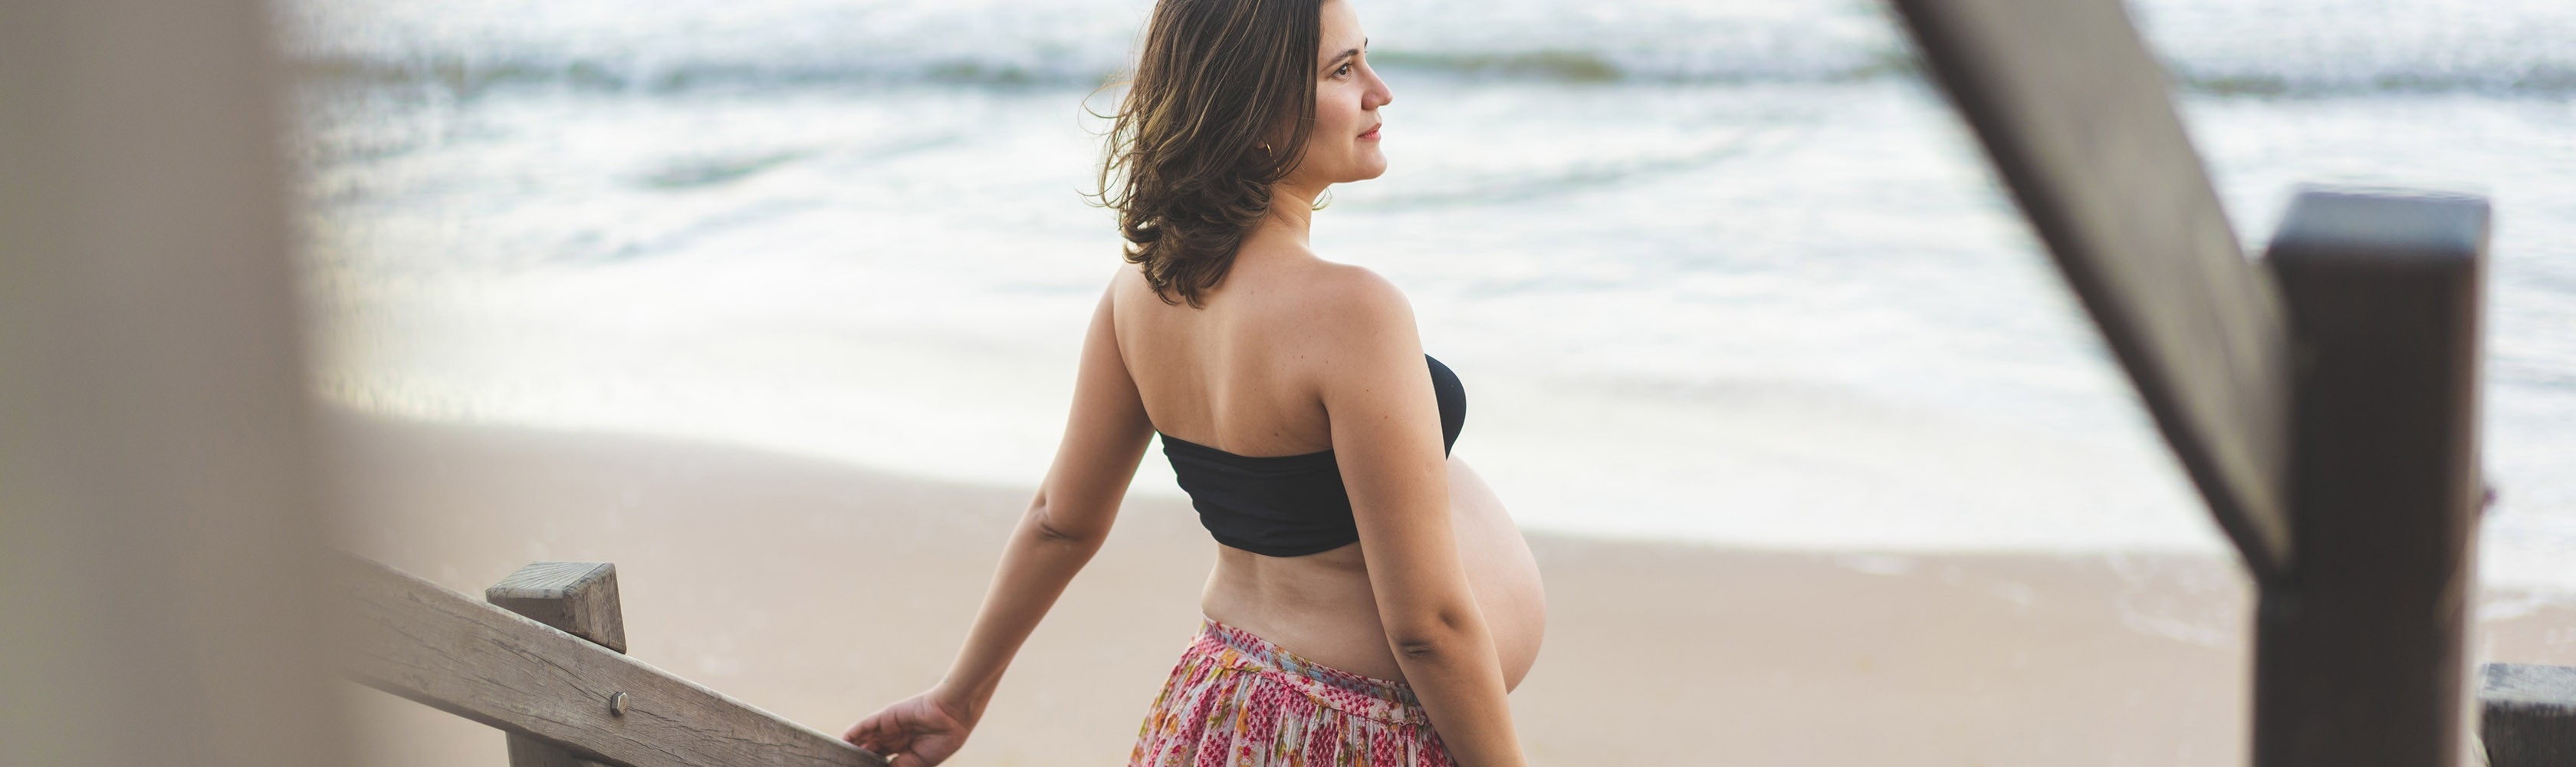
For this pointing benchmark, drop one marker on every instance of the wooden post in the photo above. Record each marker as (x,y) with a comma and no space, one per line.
(2527,715)
(2359,650)
(578,598)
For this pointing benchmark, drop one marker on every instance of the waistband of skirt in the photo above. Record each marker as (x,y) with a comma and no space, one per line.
(1368,696)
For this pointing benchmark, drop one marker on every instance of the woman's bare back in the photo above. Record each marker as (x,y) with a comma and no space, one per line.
(1242,374)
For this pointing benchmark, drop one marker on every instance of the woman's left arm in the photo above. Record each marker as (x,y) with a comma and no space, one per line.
(1104,438)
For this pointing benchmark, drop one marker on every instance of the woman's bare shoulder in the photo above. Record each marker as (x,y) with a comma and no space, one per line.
(1128,283)
(1355,321)
(1128,296)
(1329,305)
(1345,301)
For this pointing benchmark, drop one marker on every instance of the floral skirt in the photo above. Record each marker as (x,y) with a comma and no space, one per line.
(1236,700)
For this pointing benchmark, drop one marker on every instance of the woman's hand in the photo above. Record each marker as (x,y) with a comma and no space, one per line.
(924,727)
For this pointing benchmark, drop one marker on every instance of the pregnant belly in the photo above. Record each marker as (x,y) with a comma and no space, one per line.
(1500,569)
(1321,606)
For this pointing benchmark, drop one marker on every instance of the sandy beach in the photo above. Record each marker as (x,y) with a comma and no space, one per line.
(820,591)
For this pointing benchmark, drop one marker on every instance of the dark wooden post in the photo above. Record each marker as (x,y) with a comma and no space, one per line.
(2074,112)
(578,598)
(2358,647)
(2527,715)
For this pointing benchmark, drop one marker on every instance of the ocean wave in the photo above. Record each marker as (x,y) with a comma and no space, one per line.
(1508,185)
(469,77)
(2221,47)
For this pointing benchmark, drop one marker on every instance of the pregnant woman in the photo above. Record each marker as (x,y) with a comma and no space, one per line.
(1372,603)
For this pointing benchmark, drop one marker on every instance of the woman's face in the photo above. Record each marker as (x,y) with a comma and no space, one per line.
(1344,144)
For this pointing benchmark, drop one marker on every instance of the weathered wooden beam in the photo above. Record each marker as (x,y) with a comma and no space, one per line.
(2359,650)
(2079,122)
(415,639)
(577,598)
(2527,715)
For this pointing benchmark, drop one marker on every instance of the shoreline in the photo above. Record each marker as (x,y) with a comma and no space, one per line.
(821,591)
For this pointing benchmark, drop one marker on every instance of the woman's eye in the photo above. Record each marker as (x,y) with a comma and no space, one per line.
(1346,69)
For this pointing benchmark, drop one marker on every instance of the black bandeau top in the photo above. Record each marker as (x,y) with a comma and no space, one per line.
(1289,505)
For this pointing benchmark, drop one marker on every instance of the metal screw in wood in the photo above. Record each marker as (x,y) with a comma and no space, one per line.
(617,704)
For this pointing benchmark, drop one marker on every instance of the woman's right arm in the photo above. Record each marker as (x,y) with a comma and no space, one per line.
(1376,390)
(1104,439)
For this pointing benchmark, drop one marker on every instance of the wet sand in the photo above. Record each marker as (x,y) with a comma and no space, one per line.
(819,592)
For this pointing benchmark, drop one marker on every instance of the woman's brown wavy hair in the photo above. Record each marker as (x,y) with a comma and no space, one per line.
(1219,109)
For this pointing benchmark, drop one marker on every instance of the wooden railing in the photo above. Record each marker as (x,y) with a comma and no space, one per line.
(547,665)
(2324,400)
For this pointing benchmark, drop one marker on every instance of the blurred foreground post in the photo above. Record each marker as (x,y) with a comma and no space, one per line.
(2358,654)
(157,518)
(2326,408)
(2075,115)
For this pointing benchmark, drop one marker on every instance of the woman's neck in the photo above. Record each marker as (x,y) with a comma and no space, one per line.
(1292,210)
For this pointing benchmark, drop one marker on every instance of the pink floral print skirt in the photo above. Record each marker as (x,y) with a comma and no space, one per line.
(1236,700)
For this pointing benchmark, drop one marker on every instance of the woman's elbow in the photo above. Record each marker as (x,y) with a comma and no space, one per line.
(1437,635)
(1045,526)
